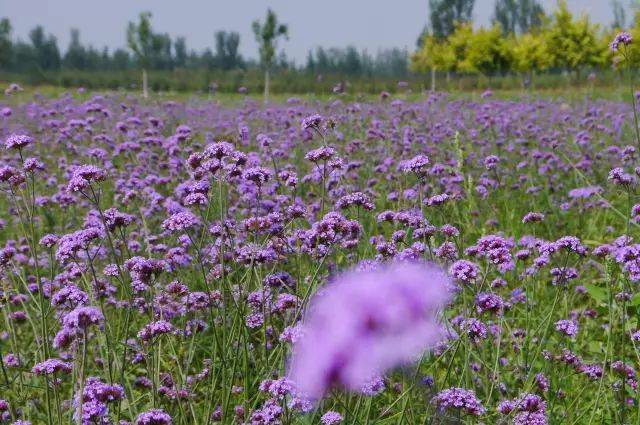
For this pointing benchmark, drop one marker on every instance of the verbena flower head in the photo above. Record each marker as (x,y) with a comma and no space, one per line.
(180,222)
(459,399)
(82,317)
(17,141)
(154,417)
(418,165)
(331,418)
(621,39)
(83,176)
(52,366)
(312,121)
(567,327)
(366,322)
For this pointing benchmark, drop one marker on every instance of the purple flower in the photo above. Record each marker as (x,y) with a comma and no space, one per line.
(532,217)
(323,153)
(312,121)
(17,141)
(567,327)
(95,397)
(474,328)
(83,176)
(623,38)
(366,322)
(489,302)
(154,417)
(154,329)
(459,399)
(620,177)
(81,318)
(331,418)
(49,240)
(358,199)
(51,366)
(464,271)
(179,222)
(418,165)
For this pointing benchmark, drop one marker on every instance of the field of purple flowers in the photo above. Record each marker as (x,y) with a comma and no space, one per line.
(391,262)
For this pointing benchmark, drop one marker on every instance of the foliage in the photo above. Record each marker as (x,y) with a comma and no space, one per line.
(140,40)
(267,35)
(530,53)
(573,43)
(561,41)
(444,15)
(518,15)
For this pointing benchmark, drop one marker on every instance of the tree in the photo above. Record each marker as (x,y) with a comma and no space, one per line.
(434,55)
(140,41)
(47,54)
(445,14)
(227,46)
(75,58)
(619,15)
(267,35)
(530,54)
(518,16)
(121,59)
(483,51)
(161,57)
(573,43)
(6,46)
(180,48)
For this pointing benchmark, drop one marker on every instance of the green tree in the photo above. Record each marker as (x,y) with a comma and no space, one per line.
(483,51)
(444,15)
(76,55)
(180,48)
(574,43)
(434,55)
(6,46)
(619,15)
(47,54)
(518,16)
(227,47)
(140,41)
(267,35)
(161,57)
(530,54)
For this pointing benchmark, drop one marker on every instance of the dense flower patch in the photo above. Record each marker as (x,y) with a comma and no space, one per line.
(437,261)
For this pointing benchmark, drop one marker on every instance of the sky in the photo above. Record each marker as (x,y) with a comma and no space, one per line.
(365,24)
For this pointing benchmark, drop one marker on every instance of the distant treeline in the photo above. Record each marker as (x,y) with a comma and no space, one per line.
(522,42)
(41,53)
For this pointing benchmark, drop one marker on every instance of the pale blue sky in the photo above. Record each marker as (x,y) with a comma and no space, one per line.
(370,24)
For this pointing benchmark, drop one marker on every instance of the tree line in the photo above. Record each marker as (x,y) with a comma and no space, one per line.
(522,40)
(41,52)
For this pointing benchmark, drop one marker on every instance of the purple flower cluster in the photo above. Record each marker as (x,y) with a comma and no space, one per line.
(366,323)
(459,399)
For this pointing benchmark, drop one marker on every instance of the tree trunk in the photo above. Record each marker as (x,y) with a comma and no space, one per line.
(266,85)
(145,90)
(433,79)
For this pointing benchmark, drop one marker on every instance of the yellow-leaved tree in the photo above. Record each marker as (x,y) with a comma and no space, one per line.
(574,43)
(434,55)
(486,50)
(530,55)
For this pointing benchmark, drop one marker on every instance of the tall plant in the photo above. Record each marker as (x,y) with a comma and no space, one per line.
(140,41)
(267,35)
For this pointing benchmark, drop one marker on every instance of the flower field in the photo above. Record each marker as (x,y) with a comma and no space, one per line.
(438,261)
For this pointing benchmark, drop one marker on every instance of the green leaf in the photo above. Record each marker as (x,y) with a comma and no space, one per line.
(597,293)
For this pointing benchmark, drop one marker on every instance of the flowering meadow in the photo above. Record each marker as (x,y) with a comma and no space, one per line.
(436,261)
